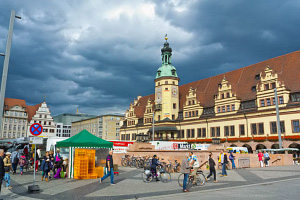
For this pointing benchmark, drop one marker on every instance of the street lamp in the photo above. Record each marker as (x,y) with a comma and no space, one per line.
(6,62)
(278,119)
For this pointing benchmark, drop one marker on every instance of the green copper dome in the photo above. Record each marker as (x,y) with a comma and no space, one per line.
(166,69)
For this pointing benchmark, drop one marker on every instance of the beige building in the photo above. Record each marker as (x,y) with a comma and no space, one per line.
(105,126)
(15,118)
(238,106)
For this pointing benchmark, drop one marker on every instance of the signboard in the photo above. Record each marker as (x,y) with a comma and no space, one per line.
(35,140)
(184,146)
(36,129)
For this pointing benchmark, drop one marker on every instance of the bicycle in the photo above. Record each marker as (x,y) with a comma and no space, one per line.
(200,179)
(173,168)
(162,175)
(125,161)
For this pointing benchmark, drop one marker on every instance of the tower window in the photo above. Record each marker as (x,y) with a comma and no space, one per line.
(173,72)
(166,82)
(174,105)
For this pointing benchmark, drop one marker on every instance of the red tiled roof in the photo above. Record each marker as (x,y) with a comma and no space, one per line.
(9,102)
(242,80)
(32,110)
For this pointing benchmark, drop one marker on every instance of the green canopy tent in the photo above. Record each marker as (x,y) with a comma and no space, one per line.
(85,140)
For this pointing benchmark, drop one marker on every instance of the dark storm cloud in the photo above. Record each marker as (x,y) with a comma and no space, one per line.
(99,55)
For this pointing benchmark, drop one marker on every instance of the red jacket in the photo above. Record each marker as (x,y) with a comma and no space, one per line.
(260,156)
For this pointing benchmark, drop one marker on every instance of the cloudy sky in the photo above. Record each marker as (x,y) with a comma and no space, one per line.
(97,55)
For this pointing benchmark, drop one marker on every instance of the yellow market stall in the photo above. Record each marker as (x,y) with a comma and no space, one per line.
(83,148)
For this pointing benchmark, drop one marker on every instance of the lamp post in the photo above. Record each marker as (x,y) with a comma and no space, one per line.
(6,62)
(278,119)
(153,125)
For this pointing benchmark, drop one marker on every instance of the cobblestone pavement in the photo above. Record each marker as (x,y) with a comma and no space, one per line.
(130,185)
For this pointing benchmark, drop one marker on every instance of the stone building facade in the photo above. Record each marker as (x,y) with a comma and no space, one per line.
(238,107)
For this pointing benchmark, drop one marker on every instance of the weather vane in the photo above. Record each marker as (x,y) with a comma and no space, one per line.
(44,98)
(166,38)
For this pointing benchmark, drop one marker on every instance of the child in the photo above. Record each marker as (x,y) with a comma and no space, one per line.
(22,162)
(45,166)
(212,169)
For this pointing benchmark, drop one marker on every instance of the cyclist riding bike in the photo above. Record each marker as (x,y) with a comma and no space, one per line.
(193,160)
(153,166)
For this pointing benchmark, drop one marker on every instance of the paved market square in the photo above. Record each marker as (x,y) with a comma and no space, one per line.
(250,183)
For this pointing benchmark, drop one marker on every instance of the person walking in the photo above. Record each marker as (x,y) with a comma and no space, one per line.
(193,160)
(231,158)
(185,169)
(110,168)
(56,159)
(224,162)
(7,168)
(45,167)
(59,165)
(260,156)
(267,158)
(15,160)
(51,157)
(22,162)
(212,169)
(2,171)
(37,158)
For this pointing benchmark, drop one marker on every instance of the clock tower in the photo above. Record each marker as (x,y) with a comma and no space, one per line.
(166,87)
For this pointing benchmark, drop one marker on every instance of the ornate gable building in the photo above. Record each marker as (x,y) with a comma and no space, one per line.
(238,106)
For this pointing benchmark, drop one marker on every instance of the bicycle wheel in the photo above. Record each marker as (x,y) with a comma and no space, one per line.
(178,168)
(180,180)
(146,177)
(123,163)
(165,177)
(200,179)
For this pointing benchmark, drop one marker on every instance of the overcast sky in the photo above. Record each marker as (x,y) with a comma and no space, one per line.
(98,55)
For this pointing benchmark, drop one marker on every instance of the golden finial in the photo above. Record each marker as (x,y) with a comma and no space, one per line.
(44,98)
(166,38)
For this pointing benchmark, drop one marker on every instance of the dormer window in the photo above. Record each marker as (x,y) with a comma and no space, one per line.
(222,96)
(253,88)
(220,85)
(158,72)
(228,95)
(257,77)
(173,72)
(267,87)
(273,85)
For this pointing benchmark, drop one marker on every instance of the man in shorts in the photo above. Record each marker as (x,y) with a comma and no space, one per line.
(193,160)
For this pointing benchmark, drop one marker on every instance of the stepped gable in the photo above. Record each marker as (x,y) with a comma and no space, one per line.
(32,110)
(9,102)
(140,107)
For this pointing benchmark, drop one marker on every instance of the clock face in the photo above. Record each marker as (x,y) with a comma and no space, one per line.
(158,95)
(174,91)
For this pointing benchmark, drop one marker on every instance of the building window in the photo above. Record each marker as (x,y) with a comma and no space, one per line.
(134,136)
(267,87)
(280,100)
(228,95)
(193,102)
(273,100)
(190,114)
(242,129)
(196,112)
(233,107)
(232,132)
(295,124)
(262,102)
(174,105)
(173,117)
(188,133)
(282,127)
(212,130)
(223,108)
(228,108)
(273,127)
(219,109)
(268,102)
(226,130)
(186,114)
(182,133)
(158,117)
(16,120)
(253,129)
(199,132)
(222,96)
(295,97)
(193,133)
(166,82)
(127,136)
(261,128)
(204,132)
(16,113)
(273,85)
(218,131)
(189,102)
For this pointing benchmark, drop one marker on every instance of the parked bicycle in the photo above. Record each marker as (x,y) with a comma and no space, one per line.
(200,179)
(162,175)
(173,168)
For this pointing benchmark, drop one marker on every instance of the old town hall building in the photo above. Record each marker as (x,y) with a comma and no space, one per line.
(238,106)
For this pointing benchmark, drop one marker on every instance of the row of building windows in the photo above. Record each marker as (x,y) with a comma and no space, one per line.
(191,114)
(131,122)
(269,86)
(166,82)
(15,113)
(14,120)
(226,108)
(223,95)
(267,102)
(148,120)
(15,127)
(50,130)
(13,135)
(44,123)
